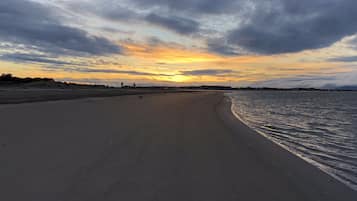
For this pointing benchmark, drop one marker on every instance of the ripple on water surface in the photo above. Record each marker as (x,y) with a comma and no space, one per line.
(320,127)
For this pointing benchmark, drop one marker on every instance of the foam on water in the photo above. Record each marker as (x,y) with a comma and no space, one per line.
(320,127)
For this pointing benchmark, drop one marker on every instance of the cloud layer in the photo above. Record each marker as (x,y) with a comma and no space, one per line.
(178,24)
(208,72)
(34,25)
(263,27)
(292,26)
(206,39)
(268,27)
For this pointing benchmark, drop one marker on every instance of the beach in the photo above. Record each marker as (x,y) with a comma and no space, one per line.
(142,146)
(13,95)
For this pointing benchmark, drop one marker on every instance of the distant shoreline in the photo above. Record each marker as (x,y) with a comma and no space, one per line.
(9,81)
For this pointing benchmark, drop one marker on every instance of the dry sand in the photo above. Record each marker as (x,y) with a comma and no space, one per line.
(168,147)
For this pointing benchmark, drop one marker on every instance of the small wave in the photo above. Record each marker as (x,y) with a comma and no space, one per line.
(319,127)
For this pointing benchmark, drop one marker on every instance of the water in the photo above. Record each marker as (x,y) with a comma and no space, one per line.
(320,127)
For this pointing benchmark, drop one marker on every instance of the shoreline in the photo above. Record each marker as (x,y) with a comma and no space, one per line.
(256,134)
(310,161)
(174,146)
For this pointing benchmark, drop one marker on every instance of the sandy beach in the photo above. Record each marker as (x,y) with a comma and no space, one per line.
(151,147)
(10,95)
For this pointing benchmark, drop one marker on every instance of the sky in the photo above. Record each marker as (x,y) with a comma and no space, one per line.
(272,43)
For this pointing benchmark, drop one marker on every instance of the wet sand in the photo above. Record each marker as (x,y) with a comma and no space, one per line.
(161,147)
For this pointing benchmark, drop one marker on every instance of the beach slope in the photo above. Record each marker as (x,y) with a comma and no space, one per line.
(160,147)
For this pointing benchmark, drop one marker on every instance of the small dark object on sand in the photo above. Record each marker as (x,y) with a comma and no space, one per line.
(141,97)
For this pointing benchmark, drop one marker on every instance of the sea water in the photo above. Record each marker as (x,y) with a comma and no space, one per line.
(318,126)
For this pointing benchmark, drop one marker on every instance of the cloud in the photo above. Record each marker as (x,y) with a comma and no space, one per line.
(117,81)
(116,30)
(100,70)
(168,53)
(221,47)
(267,27)
(208,72)
(35,26)
(203,72)
(192,6)
(177,24)
(110,9)
(50,63)
(119,11)
(344,59)
(292,26)
(32,58)
(46,60)
(315,81)
(111,71)
(298,82)
(353,42)
(264,27)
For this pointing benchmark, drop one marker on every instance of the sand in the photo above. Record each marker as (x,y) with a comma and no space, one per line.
(163,147)
(20,95)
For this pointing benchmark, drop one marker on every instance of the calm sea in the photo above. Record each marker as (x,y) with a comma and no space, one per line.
(320,127)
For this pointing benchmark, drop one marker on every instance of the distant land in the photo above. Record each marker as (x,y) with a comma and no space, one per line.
(348,88)
(9,81)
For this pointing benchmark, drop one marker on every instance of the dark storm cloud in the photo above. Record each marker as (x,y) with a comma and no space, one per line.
(35,26)
(292,26)
(209,72)
(177,24)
